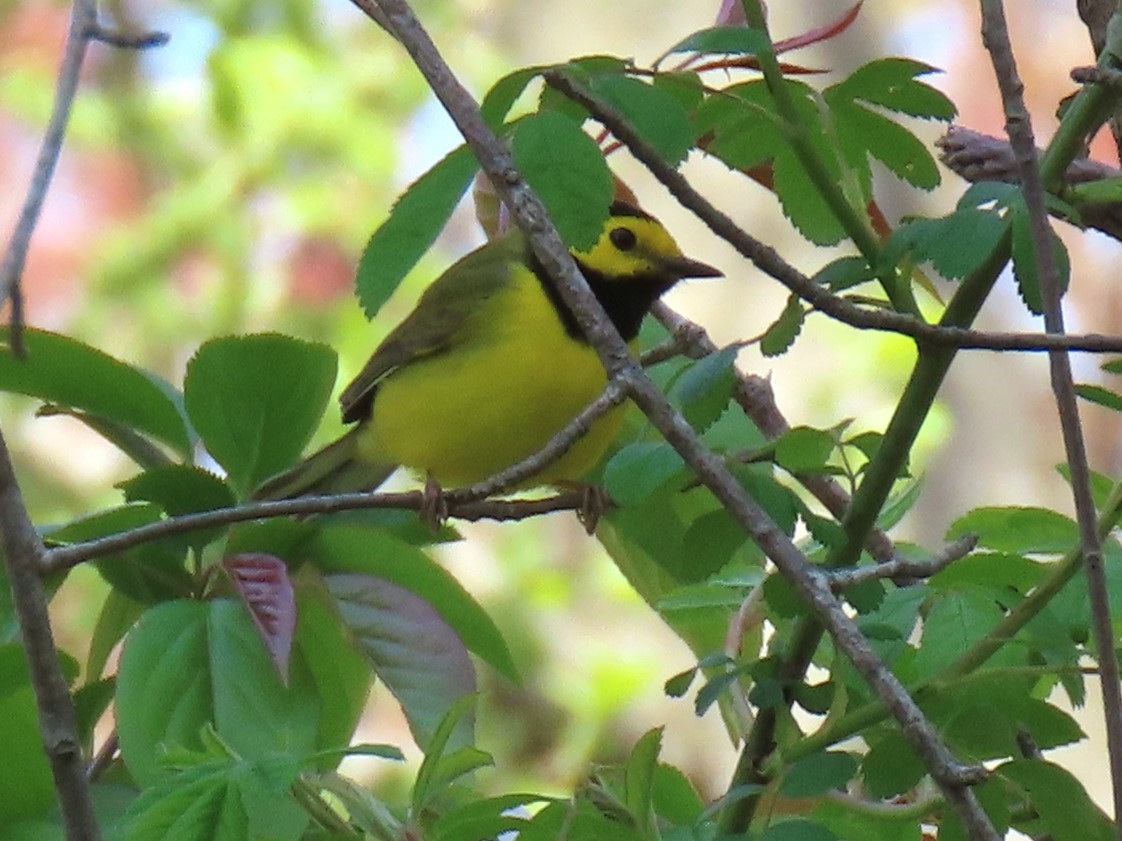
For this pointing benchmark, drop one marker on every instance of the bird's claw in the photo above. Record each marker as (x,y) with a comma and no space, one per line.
(434,508)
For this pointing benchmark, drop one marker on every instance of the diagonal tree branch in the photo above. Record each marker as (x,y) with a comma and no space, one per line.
(810,582)
(1018,125)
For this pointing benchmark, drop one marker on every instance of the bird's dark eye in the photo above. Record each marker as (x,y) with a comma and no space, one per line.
(622,238)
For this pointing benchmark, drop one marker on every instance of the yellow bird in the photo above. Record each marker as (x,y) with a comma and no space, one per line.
(491,364)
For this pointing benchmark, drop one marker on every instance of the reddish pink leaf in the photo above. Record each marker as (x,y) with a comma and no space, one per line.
(263,583)
(821,33)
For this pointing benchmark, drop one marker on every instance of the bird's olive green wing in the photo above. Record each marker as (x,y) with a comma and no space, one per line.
(442,319)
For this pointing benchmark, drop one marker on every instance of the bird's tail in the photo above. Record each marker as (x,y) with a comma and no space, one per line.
(332,469)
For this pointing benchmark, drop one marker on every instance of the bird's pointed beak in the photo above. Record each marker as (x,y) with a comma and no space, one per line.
(682,267)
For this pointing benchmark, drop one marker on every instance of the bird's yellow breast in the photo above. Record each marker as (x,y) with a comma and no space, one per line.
(508,384)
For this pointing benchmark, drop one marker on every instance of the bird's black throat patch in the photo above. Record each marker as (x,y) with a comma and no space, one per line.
(626,300)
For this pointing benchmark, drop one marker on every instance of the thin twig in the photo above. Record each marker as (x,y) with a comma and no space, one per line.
(1018,125)
(842,579)
(83,17)
(809,582)
(61,558)
(24,552)
(765,258)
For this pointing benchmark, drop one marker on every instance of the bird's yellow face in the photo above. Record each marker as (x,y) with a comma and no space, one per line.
(635,246)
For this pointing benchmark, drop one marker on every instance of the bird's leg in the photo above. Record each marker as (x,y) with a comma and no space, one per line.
(434,510)
(594,502)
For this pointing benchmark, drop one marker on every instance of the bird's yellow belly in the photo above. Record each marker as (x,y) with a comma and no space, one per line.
(493,400)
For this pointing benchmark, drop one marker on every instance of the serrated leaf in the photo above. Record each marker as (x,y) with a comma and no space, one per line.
(411,648)
(256,400)
(804,449)
(956,244)
(568,173)
(743,127)
(63,371)
(704,389)
(639,470)
(416,219)
(729,40)
(263,583)
(891,83)
(1025,270)
(779,337)
(802,202)
(1019,530)
(778,500)
(902,152)
(818,773)
(343,548)
(657,115)
(638,779)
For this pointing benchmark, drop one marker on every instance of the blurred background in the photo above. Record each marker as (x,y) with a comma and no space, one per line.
(228,181)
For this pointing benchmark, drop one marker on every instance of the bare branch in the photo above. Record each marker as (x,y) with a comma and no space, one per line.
(979,157)
(83,19)
(61,558)
(842,579)
(995,37)
(768,260)
(24,552)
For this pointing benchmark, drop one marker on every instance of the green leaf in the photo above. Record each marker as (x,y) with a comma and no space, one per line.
(804,449)
(64,371)
(181,489)
(1098,394)
(798,829)
(779,337)
(411,228)
(1025,270)
(744,126)
(1064,806)
(656,114)
(117,615)
(444,742)
(568,172)
(638,780)
(818,774)
(488,818)
(890,143)
(951,626)
(641,469)
(26,784)
(256,400)
(844,273)
(504,93)
(411,648)
(955,245)
(778,500)
(337,668)
(891,83)
(187,664)
(891,767)
(352,549)
(1018,530)
(731,40)
(704,389)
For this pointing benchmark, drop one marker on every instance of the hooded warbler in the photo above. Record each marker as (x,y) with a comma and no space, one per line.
(491,364)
